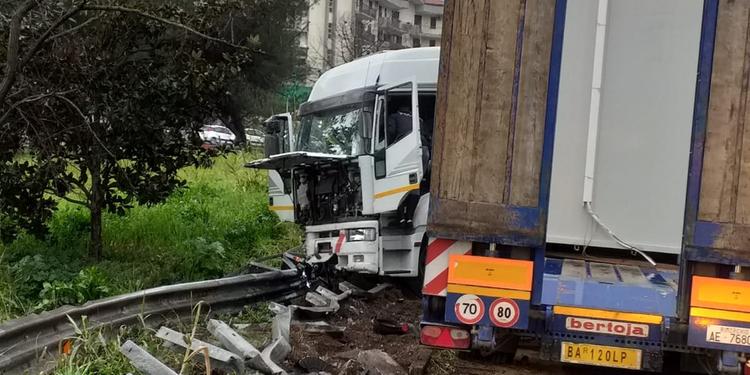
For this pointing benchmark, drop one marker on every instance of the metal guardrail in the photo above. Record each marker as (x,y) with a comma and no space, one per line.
(29,344)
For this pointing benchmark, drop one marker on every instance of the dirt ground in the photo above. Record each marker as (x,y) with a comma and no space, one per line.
(357,317)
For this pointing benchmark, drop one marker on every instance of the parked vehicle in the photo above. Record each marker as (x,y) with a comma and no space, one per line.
(217,135)
(254,137)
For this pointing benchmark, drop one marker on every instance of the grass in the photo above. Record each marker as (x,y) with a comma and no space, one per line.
(212,227)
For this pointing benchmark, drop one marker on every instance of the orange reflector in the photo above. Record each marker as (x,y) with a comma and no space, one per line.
(490,272)
(66,347)
(720,294)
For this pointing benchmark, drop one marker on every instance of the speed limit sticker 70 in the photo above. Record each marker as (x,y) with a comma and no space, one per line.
(504,312)
(469,309)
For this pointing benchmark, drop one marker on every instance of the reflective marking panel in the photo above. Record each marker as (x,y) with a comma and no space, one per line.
(489,292)
(490,272)
(720,294)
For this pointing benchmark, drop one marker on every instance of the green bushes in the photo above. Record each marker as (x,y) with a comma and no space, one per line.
(211,227)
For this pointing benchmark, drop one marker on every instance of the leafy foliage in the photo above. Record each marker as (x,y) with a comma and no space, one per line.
(108,107)
(89,284)
(222,209)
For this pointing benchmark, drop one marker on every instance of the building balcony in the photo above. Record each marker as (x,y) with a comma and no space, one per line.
(390,24)
(392,45)
(431,33)
(428,10)
(367,12)
(424,32)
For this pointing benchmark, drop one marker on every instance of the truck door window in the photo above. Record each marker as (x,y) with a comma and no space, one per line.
(380,138)
(399,121)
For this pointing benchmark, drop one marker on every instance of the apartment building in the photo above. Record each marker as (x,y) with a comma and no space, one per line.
(338,31)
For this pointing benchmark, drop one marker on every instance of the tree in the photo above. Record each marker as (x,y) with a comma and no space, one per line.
(101,103)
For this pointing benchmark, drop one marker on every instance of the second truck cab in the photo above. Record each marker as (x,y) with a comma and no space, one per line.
(358,174)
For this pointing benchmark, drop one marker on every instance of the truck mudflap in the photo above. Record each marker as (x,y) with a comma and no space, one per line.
(720,314)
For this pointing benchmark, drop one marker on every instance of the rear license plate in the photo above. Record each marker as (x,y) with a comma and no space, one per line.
(600,355)
(728,335)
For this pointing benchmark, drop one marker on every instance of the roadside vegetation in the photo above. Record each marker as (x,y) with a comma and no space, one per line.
(207,229)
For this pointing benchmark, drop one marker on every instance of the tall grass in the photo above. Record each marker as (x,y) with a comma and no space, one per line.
(211,227)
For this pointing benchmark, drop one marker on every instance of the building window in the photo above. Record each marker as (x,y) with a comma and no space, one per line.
(433,22)
(330,30)
(394,15)
(329,57)
(416,42)
(330,6)
(433,43)
(417,20)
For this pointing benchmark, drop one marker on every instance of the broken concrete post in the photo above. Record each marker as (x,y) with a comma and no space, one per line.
(316,299)
(220,358)
(331,295)
(277,350)
(232,340)
(143,361)
(379,362)
(379,288)
(282,322)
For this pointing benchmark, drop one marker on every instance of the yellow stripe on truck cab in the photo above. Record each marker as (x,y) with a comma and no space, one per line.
(607,315)
(490,272)
(489,292)
(281,208)
(723,294)
(402,189)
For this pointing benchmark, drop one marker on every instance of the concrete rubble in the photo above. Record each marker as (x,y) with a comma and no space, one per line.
(241,357)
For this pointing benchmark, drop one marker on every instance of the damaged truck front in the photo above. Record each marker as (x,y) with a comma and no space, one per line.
(357,181)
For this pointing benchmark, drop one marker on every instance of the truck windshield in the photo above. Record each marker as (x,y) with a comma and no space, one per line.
(334,131)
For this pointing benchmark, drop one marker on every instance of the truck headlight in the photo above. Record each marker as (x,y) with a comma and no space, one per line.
(360,234)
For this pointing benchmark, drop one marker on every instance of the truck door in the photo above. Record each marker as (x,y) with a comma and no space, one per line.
(279,139)
(397,152)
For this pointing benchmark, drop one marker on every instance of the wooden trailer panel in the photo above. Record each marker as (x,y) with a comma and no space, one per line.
(487,180)
(718,205)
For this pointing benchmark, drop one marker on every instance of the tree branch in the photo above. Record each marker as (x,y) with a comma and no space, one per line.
(28,100)
(39,42)
(115,8)
(74,29)
(65,197)
(14,38)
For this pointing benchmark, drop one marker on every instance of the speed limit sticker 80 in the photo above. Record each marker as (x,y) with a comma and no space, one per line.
(504,312)
(469,309)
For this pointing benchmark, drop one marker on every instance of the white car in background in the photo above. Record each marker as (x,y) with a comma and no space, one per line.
(254,137)
(217,135)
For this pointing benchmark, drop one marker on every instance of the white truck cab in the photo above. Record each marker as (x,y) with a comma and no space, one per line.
(358,173)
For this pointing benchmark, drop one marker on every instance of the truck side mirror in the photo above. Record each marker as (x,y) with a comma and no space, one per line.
(271,145)
(272,127)
(366,127)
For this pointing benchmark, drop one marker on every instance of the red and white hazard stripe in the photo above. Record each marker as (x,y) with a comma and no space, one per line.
(436,264)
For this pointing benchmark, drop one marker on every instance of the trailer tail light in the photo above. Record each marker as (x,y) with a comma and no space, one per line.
(445,337)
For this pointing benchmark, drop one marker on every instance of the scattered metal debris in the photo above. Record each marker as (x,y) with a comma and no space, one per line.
(389,327)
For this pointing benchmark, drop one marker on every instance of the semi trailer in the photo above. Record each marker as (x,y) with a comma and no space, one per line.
(589,182)
(585,184)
